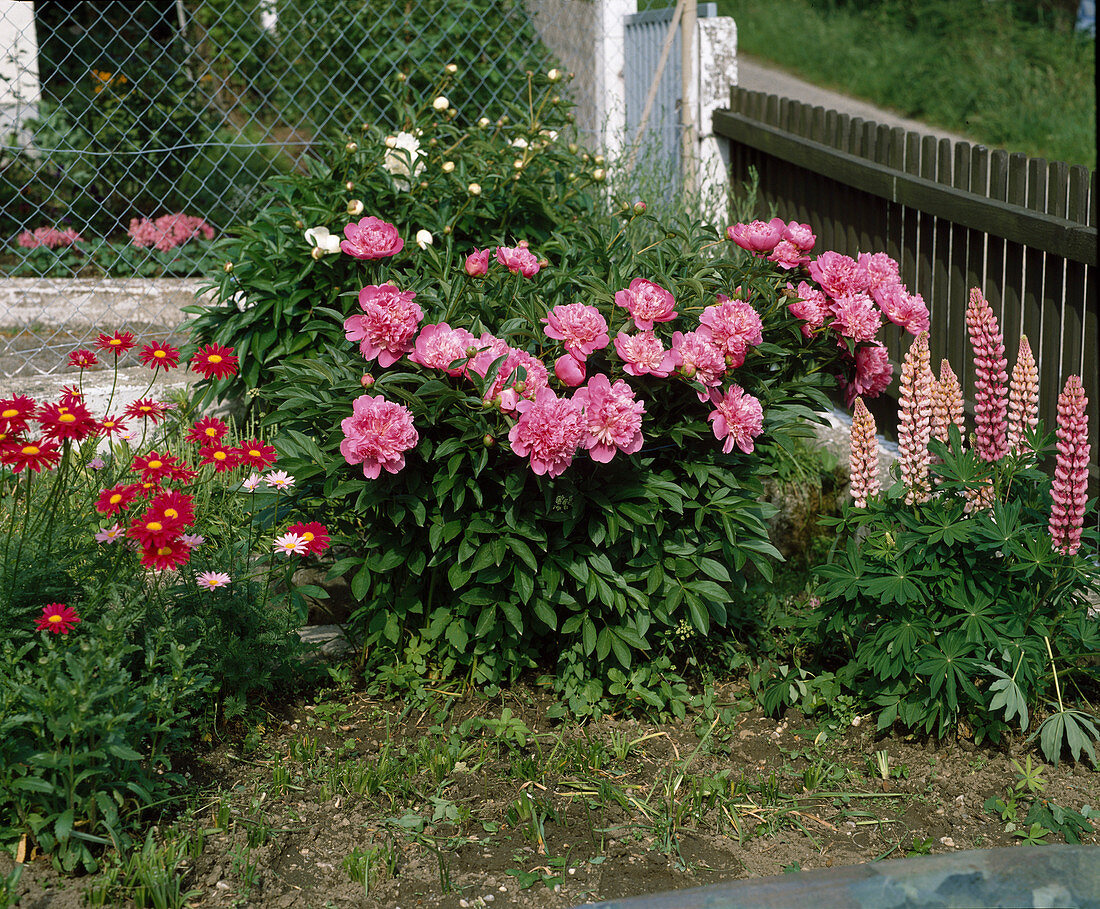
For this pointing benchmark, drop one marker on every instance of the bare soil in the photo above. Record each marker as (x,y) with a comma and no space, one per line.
(460,801)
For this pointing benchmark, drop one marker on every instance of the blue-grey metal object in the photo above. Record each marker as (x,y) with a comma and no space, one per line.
(659,149)
(1063,876)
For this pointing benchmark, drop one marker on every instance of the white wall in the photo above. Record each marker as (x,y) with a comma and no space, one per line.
(19,86)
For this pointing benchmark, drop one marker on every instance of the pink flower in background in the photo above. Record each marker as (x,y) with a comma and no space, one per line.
(1069,489)
(212,580)
(371,238)
(168,231)
(50,237)
(880,270)
(518,260)
(872,375)
(569,370)
(647,303)
(290,544)
(990,379)
(738,419)
(838,274)
(863,456)
(812,307)
(757,236)
(915,421)
(477,263)
(111,534)
(644,354)
(856,317)
(1023,398)
(377,435)
(613,417)
(438,346)
(787,255)
(388,324)
(801,235)
(580,327)
(947,404)
(902,308)
(278,479)
(732,326)
(697,358)
(549,431)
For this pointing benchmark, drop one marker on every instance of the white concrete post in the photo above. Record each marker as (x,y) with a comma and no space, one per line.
(20,91)
(716,50)
(610,38)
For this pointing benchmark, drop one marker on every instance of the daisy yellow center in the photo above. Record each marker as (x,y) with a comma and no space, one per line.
(156,465)
(116,498)
(164,550)
(171,513)
(211,431)
(154,526)
(159,353)
(254,453)
(308,536)
(219,455)
(54,618)
(67,418)
(9,413)
(214,358)
(30,449)
(145,408)
(115,342)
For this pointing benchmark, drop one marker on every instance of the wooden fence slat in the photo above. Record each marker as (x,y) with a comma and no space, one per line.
(1012,318)
(1066,314)
(941,257)
(1041,321)
(959,239)
(976,239)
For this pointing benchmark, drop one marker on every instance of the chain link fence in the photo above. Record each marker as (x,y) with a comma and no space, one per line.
(134,133)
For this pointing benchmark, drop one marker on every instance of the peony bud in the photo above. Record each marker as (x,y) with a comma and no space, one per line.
(639,208)
(598,160)
(228,268)
(317,253)
(488,441)
(349,186)
(441,103)
(355,207)
(474,189)
(598,175)
(424,238)
(401,77)
(367,381)
(518,164)
(483,122)
(351,147)
(448,167)
(391,141)
(569,370)
(300,225)
(452,68)
(554,75)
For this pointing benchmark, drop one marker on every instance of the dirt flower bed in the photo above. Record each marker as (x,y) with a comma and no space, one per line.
(447,799)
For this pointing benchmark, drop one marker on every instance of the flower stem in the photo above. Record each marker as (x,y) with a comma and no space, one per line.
(1054,669)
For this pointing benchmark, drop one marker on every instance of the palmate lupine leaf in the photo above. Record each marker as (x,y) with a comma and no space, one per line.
(1071,727)
(1008,696)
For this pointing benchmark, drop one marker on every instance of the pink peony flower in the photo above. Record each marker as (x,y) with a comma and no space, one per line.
(438,346)
(990,379)
(838,274)
(477,263)
(569,370)
(731,326)
(371,238)
(647,303)
(521,375)
(696,357)
(863,456)
(549,430)
(388,324)
(377,435)
(812,307)
(857,317)
(1023,398)
(873,373)
(880,270)
(757,236)
(915,421)
(644,354)
(518,260)
(1069,490)
(801,235)
(739,419)
(50,237)
(168,231)
(902,308)
(613,418)
(787,255)
(580,328)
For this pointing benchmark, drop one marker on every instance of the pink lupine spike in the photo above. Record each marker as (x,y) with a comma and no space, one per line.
(1023,398)
(1069,490)
(915,420)
(990,379)
(947,403)
(863,458)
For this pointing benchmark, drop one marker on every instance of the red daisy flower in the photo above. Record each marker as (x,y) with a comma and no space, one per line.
(146,489)
(221,456)
(214,361)
(83,358)
(255,453)
(115,499)
(160,356)
(66,421)
(154,466)
(118,343)
(71,395)
(112,426)
(154,528)
(172,506)
(34,455)
(147,408)
(15,412)
(315,535)
(207,430)
(168,556)
(57,618)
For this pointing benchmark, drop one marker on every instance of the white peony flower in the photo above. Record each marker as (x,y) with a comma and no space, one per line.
(320,238)
(402,158)
(424,238)
(519,142)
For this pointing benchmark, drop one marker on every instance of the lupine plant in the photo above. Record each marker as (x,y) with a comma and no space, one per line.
(125,625)
(954,596)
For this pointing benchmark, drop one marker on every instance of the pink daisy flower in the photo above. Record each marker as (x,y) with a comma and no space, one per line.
(212,580)
(111,534)
(291,544)
(278,479)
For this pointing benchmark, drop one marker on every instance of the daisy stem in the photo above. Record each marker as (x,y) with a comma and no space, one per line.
(114,385)
(56,494)
(14,580)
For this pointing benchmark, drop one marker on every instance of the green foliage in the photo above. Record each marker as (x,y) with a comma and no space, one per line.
(937,614)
